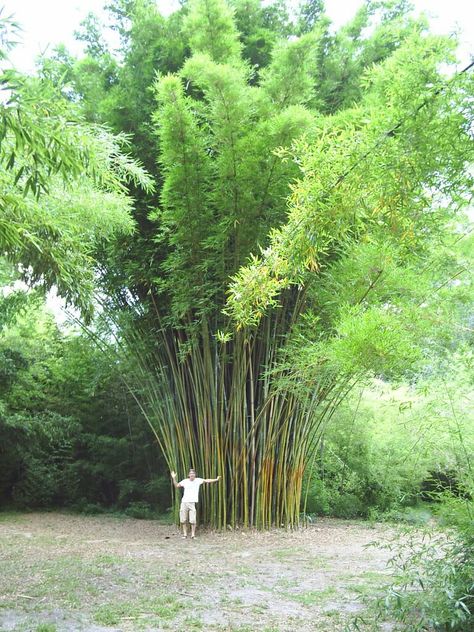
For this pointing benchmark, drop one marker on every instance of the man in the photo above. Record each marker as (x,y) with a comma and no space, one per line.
(187,510)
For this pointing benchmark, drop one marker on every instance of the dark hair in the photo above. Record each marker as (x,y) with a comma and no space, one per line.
(192,470)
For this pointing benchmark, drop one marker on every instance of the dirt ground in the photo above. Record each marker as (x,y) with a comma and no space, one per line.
(63,572)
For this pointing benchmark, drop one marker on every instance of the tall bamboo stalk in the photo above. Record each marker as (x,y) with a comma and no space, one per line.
(218,408)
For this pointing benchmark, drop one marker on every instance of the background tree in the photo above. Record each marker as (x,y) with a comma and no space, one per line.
(71,435)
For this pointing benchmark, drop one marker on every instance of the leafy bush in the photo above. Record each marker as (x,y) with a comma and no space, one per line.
(420,514)
(37,486)
(433,575)
(456,511)
(141,510)
(87,508)
(326,501)
(352,476)
(157,492)
(318,499)
(390,447)
(348,506)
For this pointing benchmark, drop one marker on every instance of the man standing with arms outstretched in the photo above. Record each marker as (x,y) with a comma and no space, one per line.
(187,510)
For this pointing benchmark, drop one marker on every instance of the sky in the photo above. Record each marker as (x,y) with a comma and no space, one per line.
(49,22)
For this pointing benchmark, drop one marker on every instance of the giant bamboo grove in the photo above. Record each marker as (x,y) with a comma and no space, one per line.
(224,188)
(263,199)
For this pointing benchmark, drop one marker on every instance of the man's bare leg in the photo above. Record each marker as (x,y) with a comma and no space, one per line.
(185,530)
(193,529)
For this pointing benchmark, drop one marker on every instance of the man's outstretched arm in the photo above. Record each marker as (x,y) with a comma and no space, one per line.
(211,480)
(173,478)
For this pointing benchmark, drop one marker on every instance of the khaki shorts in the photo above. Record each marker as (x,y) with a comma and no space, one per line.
(187,511)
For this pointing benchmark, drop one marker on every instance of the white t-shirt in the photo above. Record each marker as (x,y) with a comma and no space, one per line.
(191,489)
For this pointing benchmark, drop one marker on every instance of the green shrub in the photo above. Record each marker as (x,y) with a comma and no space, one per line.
(128,491)
(89,509)
(318,499)
(141,510)
(420,514)
(324,500)
(39,452)
(433,575)
(348,505)
(456,511)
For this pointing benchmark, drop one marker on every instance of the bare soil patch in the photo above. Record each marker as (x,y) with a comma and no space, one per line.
(63,572)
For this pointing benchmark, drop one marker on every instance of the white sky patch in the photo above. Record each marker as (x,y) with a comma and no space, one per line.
(18,285)
(54,303)
(57,306)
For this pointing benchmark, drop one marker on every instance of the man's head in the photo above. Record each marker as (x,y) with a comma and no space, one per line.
(192,474)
